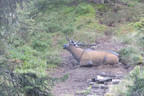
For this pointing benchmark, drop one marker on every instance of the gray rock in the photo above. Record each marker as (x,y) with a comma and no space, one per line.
(104,87)
(95,86)
(91,83)
(101,79)
(115,81)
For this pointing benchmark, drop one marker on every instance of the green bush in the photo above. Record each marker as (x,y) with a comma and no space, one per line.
(132,84)
(68,29)
(53,28)
(83,9)
(2,48)
(39,45)
(102,7)
(139,25)
(53,60)
(35,59)
(130,56)
(24,84)
(28,56)
(137,88)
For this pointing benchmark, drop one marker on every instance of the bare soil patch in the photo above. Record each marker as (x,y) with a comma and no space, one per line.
(78,78)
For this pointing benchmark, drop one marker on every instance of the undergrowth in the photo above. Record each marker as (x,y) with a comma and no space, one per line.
(35,41)
(132,85)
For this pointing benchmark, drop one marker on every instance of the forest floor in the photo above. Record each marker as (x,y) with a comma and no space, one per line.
(79,82)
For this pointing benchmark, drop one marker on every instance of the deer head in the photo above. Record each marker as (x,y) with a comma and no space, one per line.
(70,44)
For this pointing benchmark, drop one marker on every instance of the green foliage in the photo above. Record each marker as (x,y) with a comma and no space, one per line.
(35,60)
(133,38)
(28,56)
(39,45)
(2,48)
(64,78)
(37,37)
(137,89)
(139,25)
(83,9)
(112,15)
(102,7)
(32,41)
(130,56)
(15,83)
(53,59)
(28,84)
(132,85)
(43,5)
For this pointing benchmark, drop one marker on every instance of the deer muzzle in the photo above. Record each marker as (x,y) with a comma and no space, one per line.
(65,46)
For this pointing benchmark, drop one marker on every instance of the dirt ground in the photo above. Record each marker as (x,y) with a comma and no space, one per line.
(78,76)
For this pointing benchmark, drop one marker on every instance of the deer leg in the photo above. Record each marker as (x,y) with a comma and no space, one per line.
(104,60)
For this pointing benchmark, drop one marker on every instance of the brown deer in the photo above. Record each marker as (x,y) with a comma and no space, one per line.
(87,57)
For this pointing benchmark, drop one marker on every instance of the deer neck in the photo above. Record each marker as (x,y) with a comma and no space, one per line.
(76,52)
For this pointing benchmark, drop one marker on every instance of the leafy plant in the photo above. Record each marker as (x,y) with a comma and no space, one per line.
(83,9)
(132,84)
(130,56)
(140,24)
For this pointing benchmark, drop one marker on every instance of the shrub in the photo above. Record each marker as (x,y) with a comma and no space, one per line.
(102,7)
(30,58)
(53,59)
(83,9)
(2,48)
(130,56)
(132,84)
(139,25)
(137,88)
(29,84)
(39,45)
(68,29)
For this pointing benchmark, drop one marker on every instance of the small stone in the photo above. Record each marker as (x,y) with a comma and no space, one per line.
(104,87)
(91,83)
(95,86)
(118,77)
(115,81)
(93,80)
(100,77)
(90,95)
(101,80)
(106,83)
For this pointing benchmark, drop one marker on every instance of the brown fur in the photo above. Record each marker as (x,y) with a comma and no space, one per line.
(93,57)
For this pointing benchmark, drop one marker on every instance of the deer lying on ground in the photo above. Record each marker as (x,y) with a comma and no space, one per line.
(86,57)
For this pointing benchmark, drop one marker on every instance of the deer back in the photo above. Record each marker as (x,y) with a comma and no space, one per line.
(99,57)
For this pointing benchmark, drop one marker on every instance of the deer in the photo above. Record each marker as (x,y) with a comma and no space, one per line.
(89,57)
